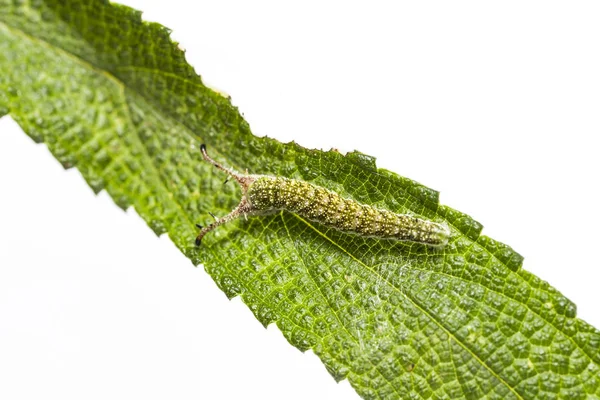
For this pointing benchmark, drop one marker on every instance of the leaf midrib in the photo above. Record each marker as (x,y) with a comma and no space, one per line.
(415,304)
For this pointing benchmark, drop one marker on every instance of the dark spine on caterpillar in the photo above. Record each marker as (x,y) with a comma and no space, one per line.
(323,206)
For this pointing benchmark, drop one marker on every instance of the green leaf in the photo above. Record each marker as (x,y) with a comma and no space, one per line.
(114,97)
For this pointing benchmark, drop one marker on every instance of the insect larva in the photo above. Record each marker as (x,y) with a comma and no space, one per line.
(263,194)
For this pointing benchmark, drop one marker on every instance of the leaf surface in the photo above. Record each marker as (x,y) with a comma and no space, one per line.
(114,97)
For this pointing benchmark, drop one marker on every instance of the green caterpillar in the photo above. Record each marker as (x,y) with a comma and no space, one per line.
(263,194)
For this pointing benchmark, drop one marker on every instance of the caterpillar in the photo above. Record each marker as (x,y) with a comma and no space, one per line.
(264,194)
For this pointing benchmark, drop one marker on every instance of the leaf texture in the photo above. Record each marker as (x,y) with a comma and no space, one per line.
(113,96)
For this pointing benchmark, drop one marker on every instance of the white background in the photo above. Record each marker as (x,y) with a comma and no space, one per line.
(494,104)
